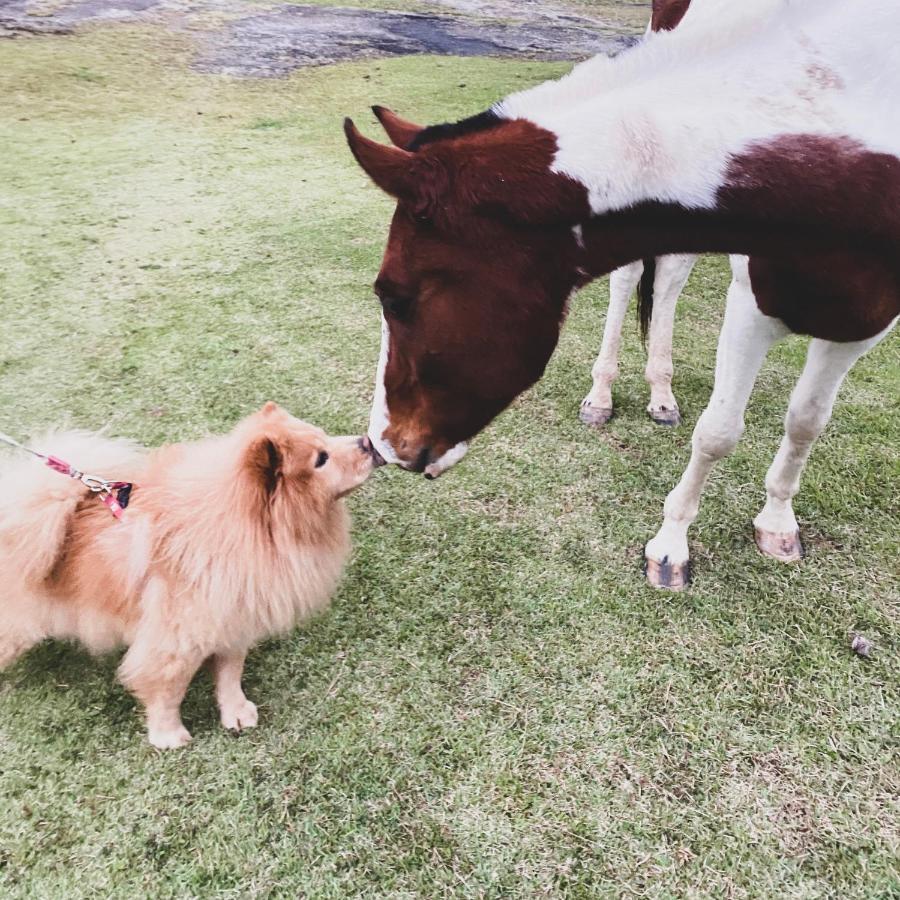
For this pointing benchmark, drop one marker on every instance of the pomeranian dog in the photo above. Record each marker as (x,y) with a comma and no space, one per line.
(225,541)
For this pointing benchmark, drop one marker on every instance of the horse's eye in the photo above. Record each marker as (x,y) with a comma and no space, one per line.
(321,459)
(398,307)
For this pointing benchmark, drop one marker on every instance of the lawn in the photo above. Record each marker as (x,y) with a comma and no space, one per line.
(496,705)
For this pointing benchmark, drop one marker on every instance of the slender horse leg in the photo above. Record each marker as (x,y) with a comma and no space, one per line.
(597,407)
(827,364)
(671,274)
(746,338)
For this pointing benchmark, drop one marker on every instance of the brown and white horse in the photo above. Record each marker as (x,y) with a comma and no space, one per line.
(766,128)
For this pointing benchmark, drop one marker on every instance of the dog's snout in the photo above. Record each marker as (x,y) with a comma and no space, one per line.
(366,445)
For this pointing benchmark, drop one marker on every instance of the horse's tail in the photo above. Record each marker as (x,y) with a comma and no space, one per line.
(645,297)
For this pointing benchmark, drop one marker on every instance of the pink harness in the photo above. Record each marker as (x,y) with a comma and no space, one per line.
(114,495)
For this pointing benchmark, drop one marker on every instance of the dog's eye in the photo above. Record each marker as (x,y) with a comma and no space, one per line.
(321,459)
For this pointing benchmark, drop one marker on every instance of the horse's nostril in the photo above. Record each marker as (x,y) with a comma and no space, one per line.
(422,460)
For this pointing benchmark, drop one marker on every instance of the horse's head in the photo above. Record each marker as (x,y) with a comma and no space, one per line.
(481,259)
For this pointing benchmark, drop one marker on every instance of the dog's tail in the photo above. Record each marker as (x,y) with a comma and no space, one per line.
(37,504)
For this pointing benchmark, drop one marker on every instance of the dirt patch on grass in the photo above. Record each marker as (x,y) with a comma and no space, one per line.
(30,17)
(276,40)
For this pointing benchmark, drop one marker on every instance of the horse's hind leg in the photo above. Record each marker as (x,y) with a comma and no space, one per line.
(597,407)
(671,276)
(827,364)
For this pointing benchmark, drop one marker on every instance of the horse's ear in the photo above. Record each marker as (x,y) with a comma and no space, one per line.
(401,132)
(404,175)
(389,167)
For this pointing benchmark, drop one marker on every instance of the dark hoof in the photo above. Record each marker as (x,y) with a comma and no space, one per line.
(783,547)
(593,416)
(665,575)
(668,417)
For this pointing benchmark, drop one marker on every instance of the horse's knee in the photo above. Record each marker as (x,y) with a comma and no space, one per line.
(804,424)
(658,371)
(715,437)
(604,372)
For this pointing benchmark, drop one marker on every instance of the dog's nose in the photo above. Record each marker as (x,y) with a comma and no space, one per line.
(366,445)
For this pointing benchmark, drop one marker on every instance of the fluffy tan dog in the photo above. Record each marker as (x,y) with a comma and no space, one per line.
(225,541)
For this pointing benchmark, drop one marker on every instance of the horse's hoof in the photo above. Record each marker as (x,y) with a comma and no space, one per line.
(785,547)
(671,577)
(594,415)
(671,418)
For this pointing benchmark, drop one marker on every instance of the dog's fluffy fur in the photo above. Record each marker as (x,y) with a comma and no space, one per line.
(225,542)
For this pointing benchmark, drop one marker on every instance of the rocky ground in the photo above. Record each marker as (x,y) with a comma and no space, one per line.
(247,38)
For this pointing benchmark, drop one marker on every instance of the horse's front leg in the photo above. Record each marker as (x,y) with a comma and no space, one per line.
(746,338)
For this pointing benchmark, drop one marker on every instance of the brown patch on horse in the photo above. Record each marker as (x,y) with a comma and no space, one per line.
(837,296)
(849,288)
(832,272)
(667,14)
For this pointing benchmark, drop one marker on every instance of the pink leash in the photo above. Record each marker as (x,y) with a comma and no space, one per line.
(115,495)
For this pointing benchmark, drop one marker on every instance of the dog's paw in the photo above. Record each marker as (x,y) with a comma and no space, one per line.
(170,740)
(239,716)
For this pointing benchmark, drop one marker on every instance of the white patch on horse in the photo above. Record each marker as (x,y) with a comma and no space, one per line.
(380,419)
(447,461)
(631,129)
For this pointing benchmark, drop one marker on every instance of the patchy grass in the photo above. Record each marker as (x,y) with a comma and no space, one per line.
(496,704)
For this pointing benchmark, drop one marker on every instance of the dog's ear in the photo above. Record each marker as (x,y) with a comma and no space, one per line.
(264,461)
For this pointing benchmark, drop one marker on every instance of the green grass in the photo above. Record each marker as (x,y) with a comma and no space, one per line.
(496,705)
